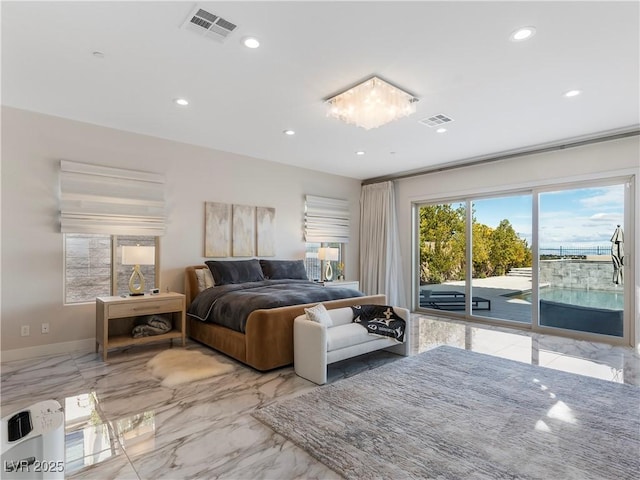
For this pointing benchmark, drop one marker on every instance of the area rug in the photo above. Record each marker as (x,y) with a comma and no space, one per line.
(176,367)
(453,414)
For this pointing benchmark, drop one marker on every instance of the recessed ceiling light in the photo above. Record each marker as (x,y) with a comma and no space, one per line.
(288,132)
(251,42)
(360,152)
(441,130)
(523,33)
(572,93)
(183,102)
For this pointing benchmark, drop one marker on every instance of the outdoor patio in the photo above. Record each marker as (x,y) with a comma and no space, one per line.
(498,290)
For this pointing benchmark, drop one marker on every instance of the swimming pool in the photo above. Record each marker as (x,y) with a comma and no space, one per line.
(584,298)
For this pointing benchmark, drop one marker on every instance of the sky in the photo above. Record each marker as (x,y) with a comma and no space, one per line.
(574,218)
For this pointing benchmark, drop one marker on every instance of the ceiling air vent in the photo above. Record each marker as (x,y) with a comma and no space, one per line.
(208,24)
(435,120)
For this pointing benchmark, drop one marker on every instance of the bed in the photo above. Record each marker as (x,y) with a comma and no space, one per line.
(264,339)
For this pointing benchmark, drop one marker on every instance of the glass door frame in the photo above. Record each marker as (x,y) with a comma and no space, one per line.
(629,314)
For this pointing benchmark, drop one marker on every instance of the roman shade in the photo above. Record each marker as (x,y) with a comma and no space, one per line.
(326,220)
(114,201)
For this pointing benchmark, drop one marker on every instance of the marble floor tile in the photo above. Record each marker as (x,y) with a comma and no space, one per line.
(122,424)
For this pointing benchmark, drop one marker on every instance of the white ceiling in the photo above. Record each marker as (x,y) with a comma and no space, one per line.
(455,56)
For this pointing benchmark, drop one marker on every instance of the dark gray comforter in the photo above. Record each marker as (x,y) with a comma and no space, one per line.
(230,305)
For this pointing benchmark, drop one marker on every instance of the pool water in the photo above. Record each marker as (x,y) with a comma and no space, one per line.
(584,298)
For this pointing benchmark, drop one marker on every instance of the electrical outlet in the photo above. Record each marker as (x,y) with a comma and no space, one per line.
(45,328)
(24,331)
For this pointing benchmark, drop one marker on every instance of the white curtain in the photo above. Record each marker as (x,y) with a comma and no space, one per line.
(96,199)
(380,260)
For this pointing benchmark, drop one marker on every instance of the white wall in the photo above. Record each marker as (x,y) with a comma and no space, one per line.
(595,161)
(32,247)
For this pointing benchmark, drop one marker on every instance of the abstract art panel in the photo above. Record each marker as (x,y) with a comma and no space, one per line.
(217,227)
(244,231)
(265,225)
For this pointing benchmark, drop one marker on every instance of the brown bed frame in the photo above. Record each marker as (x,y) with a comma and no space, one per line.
(268,341)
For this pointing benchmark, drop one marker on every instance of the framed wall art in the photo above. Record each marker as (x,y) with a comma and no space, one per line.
(243,231)
(266,234)
(217,228)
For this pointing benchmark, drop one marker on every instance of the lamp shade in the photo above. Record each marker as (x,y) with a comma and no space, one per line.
(137,255)
(328,253)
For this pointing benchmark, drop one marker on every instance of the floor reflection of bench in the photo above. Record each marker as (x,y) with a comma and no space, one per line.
(451,300)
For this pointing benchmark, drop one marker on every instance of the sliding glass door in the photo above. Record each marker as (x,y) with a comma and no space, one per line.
(548,258)
(442,245)
(581,254)
(500,265)
(502,257)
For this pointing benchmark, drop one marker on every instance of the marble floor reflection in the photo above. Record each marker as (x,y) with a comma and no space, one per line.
(120,423)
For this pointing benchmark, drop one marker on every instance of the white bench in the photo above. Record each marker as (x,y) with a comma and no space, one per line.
(315,346)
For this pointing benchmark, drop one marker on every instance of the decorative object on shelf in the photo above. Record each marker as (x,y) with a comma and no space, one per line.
(340,270)
(136,256)
(328,254)
(371,104)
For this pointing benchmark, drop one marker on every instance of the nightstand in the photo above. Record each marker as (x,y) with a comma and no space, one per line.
(352,284)
(116,316)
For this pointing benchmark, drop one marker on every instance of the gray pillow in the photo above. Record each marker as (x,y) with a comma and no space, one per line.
(284,269)
(235,271)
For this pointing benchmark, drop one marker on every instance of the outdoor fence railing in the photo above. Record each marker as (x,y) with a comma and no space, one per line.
(576,251)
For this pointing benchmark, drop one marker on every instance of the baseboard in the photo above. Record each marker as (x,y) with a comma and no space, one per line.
(82,346)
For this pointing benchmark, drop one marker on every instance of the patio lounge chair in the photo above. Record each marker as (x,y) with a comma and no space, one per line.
(451,300)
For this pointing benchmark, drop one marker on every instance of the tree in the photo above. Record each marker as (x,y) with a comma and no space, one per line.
(442,243)
(442,246)
(507,249)
(481,235)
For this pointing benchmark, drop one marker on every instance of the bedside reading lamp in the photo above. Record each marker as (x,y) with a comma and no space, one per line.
(137,256)
(328,254)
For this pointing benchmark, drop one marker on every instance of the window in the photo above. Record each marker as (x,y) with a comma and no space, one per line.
(101,210)
(93,265)
(543,258)
(314,266)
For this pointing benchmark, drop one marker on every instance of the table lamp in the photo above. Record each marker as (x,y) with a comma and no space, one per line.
(328,254)
(137,256)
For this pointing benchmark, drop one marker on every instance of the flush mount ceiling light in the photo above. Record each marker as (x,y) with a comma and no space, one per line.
(523,33)
(371,104)
(183,102)
(360,152)
(288,132)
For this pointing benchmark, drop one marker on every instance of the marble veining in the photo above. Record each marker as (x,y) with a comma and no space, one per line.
(121,424)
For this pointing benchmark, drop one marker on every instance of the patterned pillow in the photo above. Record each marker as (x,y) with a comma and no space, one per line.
(319,314)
